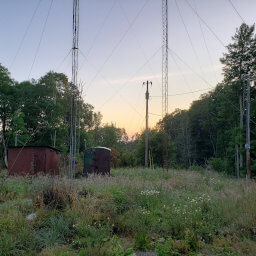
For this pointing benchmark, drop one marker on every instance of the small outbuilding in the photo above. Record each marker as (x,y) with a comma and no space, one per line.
(97,160)
(31,160)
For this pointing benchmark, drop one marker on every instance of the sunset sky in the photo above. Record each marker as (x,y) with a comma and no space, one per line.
(120,48)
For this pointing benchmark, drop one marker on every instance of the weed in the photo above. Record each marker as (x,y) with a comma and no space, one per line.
(144,207)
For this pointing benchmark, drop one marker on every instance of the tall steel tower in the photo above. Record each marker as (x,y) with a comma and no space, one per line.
(165,79)
(165,58)
(73,107)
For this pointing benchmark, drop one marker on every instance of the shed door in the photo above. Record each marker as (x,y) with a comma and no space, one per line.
(39,162)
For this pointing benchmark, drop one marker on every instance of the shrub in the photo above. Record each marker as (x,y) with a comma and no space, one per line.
(219,165)
(54,197)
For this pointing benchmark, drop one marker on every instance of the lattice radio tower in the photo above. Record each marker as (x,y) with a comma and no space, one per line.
(73,108)
(165,79)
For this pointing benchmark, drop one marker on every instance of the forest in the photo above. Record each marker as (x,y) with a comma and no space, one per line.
(211,133)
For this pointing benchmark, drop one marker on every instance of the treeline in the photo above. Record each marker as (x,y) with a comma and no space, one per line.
(38,112)
(210,133)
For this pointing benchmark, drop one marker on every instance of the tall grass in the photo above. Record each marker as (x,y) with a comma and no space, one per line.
(175,213)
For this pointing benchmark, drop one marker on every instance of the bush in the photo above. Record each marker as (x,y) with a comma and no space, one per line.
(219,164)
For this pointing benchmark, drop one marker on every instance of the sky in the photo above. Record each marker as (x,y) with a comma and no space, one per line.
(120,48)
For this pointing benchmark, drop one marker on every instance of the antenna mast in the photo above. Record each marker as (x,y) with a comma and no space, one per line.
(165,58)
(73,108)
(165,78)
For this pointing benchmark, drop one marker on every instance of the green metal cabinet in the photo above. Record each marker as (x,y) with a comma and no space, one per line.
(97,160)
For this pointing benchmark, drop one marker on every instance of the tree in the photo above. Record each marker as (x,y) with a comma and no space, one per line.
(7,104)
(240,58)
(240,61)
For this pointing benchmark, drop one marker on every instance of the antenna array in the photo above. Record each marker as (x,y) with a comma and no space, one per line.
(73,91)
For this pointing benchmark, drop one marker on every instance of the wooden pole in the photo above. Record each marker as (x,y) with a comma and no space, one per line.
(248,139)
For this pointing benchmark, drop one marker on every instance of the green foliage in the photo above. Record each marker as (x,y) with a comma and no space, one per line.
(219,165)
(118,250)
(40,108)
(166,248)
(191,241)
(142,241)
(210,128)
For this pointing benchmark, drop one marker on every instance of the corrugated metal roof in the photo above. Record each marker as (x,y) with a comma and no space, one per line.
(37,147)
(103,148)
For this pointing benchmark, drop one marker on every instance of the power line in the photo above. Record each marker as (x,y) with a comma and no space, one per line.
(141,124)
(128,80)
(25,34)
(211,30)
(98,33)
(138,42)
(113,87)
(188,34)
(41,37)
(184,93)
(118,43)
(137,101)
(204,39)
(155,114)
(179,69)
(202,78)
(236,11)
(190,67)
(64,59)
(101,27)
(216,38)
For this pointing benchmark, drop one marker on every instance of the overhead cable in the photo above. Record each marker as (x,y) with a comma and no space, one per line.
(132,77)
(25,34)
(184,93)
(40,40)
(98,33)
(236,11)
(211,30)
(118,43)
(107,82)
(188,34)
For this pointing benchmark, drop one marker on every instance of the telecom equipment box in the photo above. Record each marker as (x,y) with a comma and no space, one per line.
(97,161)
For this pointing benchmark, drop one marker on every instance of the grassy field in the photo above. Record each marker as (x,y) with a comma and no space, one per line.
(133,210)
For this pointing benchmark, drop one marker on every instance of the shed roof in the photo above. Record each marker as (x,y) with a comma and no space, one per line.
(103,148)
(37,147)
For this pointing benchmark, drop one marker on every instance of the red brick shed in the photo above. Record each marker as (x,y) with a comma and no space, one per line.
(32,160)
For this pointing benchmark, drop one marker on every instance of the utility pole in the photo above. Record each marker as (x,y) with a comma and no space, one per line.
(165,80)
(241,128)
(248,140)
(237,161)
(146,132)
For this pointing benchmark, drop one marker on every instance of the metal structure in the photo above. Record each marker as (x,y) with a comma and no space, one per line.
(73,108)
(165,58)
(146,131)
(97,161)
(165,79)
(33,160)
